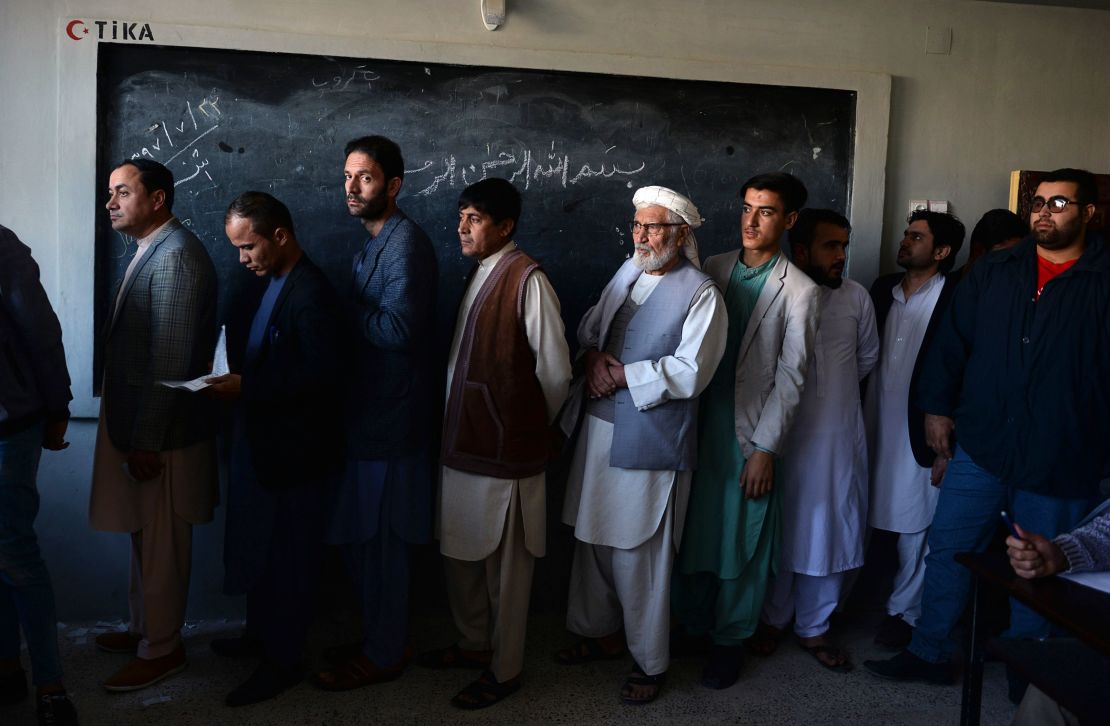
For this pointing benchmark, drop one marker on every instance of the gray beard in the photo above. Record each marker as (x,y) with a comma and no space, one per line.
(654,262)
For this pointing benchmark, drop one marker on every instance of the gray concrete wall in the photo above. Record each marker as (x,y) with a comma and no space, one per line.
(1023,87)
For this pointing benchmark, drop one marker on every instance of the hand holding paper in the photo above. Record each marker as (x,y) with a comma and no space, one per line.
(226,387)
(219,368)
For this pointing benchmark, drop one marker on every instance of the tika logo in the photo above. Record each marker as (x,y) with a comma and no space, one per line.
(110,30)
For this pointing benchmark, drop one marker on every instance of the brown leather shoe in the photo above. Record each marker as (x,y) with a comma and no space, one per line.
(118,642)
(143,672)
(358,672)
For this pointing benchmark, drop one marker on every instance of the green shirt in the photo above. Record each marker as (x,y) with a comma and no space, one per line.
(723,529)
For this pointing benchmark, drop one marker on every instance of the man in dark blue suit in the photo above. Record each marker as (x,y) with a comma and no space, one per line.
(286,444)
(382,502)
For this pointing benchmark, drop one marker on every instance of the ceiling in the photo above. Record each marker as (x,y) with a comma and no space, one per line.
(1091,4)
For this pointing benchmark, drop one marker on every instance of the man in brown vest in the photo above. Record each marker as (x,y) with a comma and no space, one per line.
(507,376)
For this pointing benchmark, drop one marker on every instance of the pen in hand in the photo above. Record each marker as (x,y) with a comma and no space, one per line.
(1011,526)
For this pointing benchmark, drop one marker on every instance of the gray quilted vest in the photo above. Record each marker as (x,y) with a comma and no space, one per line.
(663,437)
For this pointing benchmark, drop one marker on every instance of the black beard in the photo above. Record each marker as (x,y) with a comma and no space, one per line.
(1052,240)
(909,265)
(822,277)
(373,208)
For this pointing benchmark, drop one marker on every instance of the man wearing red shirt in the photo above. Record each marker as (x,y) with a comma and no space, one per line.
(1014,371)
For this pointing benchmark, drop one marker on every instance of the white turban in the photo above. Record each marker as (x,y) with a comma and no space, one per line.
(680,205)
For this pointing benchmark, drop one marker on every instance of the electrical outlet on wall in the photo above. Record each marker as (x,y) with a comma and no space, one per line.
(932,205)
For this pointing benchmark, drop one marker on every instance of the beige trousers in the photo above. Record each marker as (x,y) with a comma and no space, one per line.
(161,560)
(489,598)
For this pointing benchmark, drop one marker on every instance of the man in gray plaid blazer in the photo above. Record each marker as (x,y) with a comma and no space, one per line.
(154,475)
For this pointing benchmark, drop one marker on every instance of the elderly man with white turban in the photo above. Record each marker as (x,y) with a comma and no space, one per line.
(650,345)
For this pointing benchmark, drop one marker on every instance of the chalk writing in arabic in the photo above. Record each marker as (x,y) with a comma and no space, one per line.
(523,168)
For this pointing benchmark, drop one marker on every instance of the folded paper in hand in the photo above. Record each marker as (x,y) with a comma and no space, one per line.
(219,368)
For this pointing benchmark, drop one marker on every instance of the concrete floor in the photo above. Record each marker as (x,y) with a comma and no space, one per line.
(786,688)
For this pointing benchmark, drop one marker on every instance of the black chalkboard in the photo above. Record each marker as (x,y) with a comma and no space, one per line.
(576,144)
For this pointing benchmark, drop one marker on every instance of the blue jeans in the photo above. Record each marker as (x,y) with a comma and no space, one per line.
(26,595)
(966,519)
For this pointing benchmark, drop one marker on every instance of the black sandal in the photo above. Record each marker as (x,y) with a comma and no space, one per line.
(639,678)
(485,692)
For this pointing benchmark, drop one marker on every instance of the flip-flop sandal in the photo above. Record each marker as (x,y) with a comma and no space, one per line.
(485,692)
(455,657)
(764,641)
(639,678)
(585,651)
(355,673)
(830,650)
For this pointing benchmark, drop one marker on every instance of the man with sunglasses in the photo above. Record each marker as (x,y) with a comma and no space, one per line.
(1018,370)
(650,344)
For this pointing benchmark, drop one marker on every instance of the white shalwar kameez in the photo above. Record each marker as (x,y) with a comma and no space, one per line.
(490,530)
(902,497)
(824,505)
(628,522)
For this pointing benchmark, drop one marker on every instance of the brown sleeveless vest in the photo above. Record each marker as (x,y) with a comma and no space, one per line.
(496,422)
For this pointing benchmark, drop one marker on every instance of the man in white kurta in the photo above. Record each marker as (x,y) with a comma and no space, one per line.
(903,492)
(824,505)
(627,519)
(902,497)
(492,529)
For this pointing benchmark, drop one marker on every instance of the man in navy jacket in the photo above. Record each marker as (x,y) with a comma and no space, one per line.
(1017,371)
(286,444)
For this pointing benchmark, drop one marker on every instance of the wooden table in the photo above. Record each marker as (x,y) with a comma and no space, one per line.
(1076,673)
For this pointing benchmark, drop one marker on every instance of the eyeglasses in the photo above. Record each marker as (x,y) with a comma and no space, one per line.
(653,229)
(1055,204)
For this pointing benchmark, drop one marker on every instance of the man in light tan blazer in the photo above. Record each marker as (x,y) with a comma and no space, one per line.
(732,523)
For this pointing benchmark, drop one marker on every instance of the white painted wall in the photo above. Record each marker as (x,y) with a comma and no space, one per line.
(1024,87)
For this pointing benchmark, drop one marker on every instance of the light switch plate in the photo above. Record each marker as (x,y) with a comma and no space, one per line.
(938,40)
